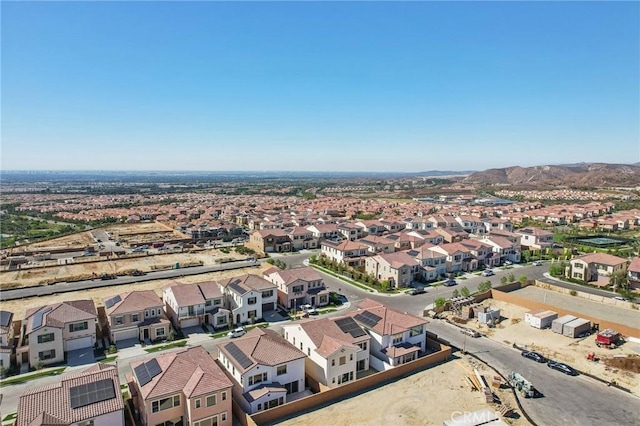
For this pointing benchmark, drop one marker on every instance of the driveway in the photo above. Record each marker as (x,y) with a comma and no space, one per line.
(80,357)
(190,331)
(127,343)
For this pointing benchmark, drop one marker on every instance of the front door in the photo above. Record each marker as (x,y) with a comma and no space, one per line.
(145,333)
(313,301)
(206,319)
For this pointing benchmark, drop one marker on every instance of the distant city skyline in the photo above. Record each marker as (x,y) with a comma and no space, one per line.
(310,86)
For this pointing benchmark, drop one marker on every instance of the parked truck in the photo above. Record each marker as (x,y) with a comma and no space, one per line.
(522,385)
(608,339)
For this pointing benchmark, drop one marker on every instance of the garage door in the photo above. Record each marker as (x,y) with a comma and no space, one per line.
(81,343)
(191,322)
(268,307)
(132,333)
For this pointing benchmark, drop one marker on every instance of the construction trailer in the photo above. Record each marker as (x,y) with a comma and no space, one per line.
(557,325)
(542,319)
(577,327)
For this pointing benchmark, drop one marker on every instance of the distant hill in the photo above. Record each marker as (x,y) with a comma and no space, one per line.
(436,173)
(583,174)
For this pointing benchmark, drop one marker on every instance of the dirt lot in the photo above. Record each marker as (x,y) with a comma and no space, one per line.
(512,329)
(425,398)
(18,307)
(33,277)
(79,240)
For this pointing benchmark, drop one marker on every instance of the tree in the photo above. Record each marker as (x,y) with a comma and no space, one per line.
(313,259)
(522,279)
(511,278)
(484,286)
(39,365)
(618,280)
(464,291)
(440,302)
(455,293)
(503,280)
(270,261)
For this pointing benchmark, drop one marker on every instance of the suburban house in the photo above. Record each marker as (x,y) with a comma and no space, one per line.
(428,236)
(48,332)
(598,267)
(458,257)
(633,274)
(92,397)
(350,231)
(269,241)
(495,223)
(377,244)
(301,238)
(396,337)
(471,224)
(433,263)
(482,252)
(398,268)
(248,296)
(392,226)
(266,368)
(189,305)
(186,387)
(534,238)
(337,348)
(452,234)
(503,248)
(136,315)
(6,338)
(324,231)
(298,286)
(371,227)
(348,252)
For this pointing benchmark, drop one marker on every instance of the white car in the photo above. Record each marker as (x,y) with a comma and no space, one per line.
(537,263)
(622,299)
(508,262)
(487,273)
(237,332)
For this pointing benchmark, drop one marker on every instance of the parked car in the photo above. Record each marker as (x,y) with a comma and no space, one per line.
(508,262)
(620,298)
(450,282)
(564,368)
(534,356)
(537,263)
(487,272)
(469,332)
(416,290)
(237,332)
(312,311)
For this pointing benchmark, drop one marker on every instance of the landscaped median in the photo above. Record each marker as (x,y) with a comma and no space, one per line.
(31,376)
(177,344)
(343,278)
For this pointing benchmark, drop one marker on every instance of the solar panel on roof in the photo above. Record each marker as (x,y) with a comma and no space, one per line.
(142,374)
(37,317)
(348,325)
(367,318)
(153,368)
(4,318)
(90,393)
(238,355)
(110,302)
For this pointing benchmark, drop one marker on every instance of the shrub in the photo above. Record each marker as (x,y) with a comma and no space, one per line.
(464,291)
(440,302)
(484,286)
(503,280)
(522,279)
(573,293)
(455,293)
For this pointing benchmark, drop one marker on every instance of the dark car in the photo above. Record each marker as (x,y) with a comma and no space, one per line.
(534,356)
(564,368)
(417,290)
(450,282)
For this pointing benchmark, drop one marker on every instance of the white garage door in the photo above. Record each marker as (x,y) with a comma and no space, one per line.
(191,322)
(132,333)
(81,343)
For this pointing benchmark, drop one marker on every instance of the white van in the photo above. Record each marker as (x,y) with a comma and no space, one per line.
(469,332)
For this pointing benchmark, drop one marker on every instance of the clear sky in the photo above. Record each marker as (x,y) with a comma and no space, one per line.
(346,86)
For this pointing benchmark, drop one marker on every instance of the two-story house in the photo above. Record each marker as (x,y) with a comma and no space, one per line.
(6,338)
(298,286)
(503,248)
(266,367)
(269,241)
(350,253)
(452,234)
(396,337)
(248,296)
(301,238)
(337,348)
(377,244)
(189,305)
(597,267)
(482,252)
(90,398)
(50,331)
(186,387)
(535,238)
(371,227)
(471,224)
(633,274)
(136,315)
(324,231)
(349,231)
(398,268)
(433,264)
(459,257)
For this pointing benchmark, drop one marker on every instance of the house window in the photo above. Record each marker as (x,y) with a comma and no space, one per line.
(165,403)
(223,416)
(252,300)
(578,266)
(197,403)
(259,407)
(350,357)
(308,351)
(297,288)
(221,320)
(333,362)
(282,369)
(44,338)
(119,320)
(217,302)
(397,338)
(415,331)
(50,354)
(159,332)
(211,421)
(224,397)
(211,400)
(135,317)
(258,378)
(78,326)
(207,303)
(146,314)
(343,360)
(267,293)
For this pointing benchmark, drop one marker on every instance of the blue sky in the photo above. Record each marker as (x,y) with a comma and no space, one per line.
(348,86)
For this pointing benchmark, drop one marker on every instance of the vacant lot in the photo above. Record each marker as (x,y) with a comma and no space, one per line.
(426,398)
(78,240)
(512,329)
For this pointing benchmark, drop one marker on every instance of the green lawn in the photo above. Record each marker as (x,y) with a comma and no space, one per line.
(26,377)
(109,359)
(159,348)
(11,416)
